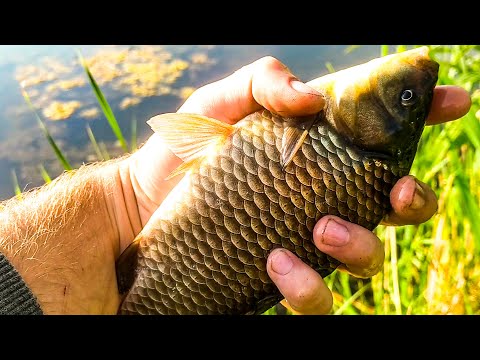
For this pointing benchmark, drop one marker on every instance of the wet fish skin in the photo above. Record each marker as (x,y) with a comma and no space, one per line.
(204,251)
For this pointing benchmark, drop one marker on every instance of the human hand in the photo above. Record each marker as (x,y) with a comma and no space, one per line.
(268,83)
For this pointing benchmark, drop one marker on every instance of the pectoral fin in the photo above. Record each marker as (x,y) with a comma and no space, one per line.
(295,131)
(190,136)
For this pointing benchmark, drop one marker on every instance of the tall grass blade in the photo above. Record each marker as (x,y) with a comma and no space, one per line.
(104,104)
(97,149)
(16,187)
(44,174)
(350,48)
(352,299)
(383,50)
(104,150)
(329,67)
(469,207)
(61,157)
(394,270)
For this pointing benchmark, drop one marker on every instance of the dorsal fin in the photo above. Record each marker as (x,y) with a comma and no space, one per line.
(294,133)
(190,136)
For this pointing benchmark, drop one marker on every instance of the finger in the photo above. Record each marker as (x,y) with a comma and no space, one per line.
(449,103)
(264,83)
(360,250)
(413,202)
(303,288)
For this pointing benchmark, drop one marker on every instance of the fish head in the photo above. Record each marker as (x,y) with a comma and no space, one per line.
(381,105)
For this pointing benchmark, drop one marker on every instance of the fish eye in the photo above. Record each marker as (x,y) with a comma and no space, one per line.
(408,97)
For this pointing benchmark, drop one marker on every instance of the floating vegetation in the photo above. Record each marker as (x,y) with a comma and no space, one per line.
(90,113)
(31,75)
(129,101)
(61,110)
(150,75)
(186,91)
(200,58)
(50,69)
(138,72)
(66,84)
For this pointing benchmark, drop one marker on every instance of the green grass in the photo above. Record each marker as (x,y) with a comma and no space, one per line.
(58,152)
(16,186)
(102,101)
(430,268)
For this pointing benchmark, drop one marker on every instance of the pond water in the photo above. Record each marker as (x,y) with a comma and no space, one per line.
(138,82)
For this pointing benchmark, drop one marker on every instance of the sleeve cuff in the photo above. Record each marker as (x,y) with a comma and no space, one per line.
(15,296)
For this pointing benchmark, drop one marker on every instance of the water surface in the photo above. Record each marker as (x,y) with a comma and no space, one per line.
(53,76)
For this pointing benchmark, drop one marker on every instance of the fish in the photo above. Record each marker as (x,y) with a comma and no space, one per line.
(264,182)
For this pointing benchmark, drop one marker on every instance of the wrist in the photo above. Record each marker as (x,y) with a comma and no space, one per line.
(61,237)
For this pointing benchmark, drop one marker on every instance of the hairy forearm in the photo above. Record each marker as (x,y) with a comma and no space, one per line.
(64,237)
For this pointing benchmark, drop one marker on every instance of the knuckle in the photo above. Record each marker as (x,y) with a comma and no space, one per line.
(268,61)
(260,65)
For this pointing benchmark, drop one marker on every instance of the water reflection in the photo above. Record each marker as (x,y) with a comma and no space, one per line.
(138,81)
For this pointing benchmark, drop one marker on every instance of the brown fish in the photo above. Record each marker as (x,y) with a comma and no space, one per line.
(264,183)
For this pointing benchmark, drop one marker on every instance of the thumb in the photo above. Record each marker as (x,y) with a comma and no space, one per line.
(264,83)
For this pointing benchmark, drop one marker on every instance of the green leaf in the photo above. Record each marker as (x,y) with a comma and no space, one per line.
(44,174)
(384,50)
(61,157)
(329,67)
(97,149)
(104,150)
(104,104)
(16,187)
(348,302)
(351,48)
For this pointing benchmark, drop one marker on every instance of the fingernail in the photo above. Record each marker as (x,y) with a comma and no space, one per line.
(281,262)
(304,88)
(335,234)
(418,201)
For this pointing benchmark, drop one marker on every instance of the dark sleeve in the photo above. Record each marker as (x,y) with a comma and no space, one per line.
(15,296)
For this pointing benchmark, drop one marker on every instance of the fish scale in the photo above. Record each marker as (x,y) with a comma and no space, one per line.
(208,254)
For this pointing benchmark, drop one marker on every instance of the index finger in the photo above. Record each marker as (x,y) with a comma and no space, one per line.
(449,103)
